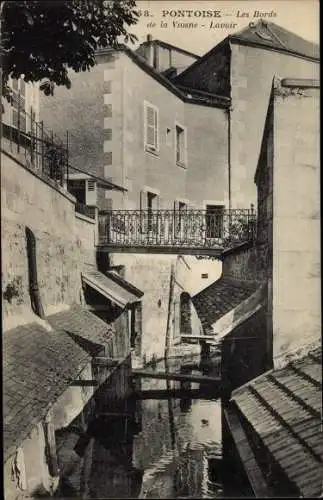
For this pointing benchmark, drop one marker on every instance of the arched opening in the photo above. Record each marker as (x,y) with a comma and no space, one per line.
(185,314)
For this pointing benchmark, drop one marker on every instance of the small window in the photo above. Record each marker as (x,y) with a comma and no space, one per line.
(151,127)
(204,276)
(91,185)
(180,145)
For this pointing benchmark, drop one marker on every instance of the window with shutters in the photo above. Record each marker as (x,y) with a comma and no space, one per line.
(91,194)
(151,127)
(180,145)
(19,104)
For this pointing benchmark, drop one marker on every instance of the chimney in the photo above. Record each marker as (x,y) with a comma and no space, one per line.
(149,50)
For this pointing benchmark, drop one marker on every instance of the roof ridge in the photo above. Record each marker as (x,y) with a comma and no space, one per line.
(162,42)
(271,23)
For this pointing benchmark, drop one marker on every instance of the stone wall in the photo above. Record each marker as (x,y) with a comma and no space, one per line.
(63,243)
(151,274)
(296,223)
(247,263)
(252,72)
(31,469)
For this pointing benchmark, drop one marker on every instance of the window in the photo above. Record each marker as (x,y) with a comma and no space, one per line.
(91,195)
(180,208)
(180,144)
(151,204)
(214,221)
(151,128)
(19,104)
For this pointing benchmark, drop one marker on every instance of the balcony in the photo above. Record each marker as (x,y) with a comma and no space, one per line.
(28,141)
(197,232)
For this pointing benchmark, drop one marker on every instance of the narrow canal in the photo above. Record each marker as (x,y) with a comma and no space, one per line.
(148,448)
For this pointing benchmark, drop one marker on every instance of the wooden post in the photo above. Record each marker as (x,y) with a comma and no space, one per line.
(18,124)
(51,454)
(170,302)
(42,145)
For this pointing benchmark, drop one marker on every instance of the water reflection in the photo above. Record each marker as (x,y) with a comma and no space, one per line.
(145,449)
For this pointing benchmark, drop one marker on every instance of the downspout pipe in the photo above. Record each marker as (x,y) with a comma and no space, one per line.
(36,302)
(229,156)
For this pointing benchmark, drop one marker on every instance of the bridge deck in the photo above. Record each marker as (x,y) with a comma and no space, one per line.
(160,249)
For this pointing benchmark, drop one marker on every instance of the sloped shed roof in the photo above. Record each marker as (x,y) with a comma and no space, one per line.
(219,298)
(81,324)
(284,409)
(38,365)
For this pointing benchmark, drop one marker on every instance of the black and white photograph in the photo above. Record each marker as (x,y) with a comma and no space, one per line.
(160,249)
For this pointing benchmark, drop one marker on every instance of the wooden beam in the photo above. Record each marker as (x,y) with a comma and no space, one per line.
(175,376)
(106,362)
(199,337)
(248,459)
(84,383)
(177,394)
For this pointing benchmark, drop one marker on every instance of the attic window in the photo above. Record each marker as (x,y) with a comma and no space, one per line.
(204,275)
(264,35)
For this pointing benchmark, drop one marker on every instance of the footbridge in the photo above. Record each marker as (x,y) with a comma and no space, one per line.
(194,232)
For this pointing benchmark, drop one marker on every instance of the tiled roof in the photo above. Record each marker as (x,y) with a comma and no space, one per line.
(212,100)
(219,298)
(81,324)
(112,286)
(284,409)
(273,36)
(38,366)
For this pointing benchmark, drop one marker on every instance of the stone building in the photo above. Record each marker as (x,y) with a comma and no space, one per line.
(241,68)
(52,341)
(272,422)
(144,135)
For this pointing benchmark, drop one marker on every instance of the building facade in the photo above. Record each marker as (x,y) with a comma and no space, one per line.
(242,67)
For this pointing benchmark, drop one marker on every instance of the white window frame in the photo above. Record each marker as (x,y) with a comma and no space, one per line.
(183,162)
(149,147)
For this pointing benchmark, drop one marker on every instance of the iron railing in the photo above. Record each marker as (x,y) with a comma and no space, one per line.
(42,151)
(87,210)
(172,228)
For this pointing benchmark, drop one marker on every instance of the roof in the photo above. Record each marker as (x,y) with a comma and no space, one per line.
(270,35)
(219,298)
(284,409)
(262,34)
(38,365)
(167,45)
(89,331)
(212,100)
(112,286)
(102,182)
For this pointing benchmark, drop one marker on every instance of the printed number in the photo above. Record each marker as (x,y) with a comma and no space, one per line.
(144,13)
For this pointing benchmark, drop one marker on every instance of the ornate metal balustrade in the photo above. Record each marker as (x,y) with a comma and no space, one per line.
(170,229)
